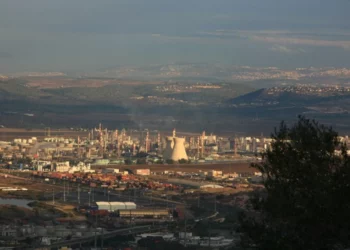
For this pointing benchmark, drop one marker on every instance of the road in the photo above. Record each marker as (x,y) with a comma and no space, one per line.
(106,235)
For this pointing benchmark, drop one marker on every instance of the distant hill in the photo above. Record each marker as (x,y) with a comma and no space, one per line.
(283,97)
(250,97)
(16,89)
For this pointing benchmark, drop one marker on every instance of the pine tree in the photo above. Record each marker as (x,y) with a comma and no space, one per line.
(306,200)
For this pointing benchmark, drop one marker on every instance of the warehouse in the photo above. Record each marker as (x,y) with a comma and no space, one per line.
(103,205)
(115,205)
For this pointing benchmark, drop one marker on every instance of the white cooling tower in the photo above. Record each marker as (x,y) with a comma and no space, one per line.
(168,148)
(179,151)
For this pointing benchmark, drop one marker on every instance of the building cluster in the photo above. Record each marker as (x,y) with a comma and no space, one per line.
(313,90)
(64,166)
(113,147)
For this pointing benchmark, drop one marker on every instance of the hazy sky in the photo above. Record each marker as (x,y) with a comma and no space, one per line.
(39,35)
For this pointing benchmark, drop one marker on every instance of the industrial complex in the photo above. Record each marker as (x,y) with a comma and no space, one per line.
(107,180)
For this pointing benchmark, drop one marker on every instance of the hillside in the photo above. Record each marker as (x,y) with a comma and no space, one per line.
(188,106)
(299,96)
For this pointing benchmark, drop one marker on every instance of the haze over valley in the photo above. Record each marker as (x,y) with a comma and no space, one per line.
(227,99)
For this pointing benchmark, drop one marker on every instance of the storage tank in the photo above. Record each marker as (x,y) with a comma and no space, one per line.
(168,148)
(179,151)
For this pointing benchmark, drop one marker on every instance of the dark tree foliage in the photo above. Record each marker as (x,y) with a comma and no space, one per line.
(183,161)
(169,161)
(127,162)
(141,161)
(306,202)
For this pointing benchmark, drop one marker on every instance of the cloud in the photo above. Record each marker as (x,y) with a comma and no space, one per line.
(302,41)
(283,38)
(285,49)
(193,39)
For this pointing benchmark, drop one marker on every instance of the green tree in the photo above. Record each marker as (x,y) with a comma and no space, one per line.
(141,161)
(119,178)
(305,203)
(128,162)
(183,161)
(169,161)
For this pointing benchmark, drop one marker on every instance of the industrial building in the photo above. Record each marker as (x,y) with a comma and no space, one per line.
(115,205)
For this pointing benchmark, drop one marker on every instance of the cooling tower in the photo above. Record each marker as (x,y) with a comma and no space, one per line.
(179,151)
(168,148)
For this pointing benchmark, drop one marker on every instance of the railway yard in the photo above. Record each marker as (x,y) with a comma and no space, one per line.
(73,199)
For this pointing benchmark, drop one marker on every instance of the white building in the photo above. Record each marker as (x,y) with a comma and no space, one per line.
(39,165)
(81,167)
(215,173)
(62,166)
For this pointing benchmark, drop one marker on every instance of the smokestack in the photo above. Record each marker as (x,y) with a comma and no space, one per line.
(203,137)
(147,144)
(159,142)
(198,146)
(168,148)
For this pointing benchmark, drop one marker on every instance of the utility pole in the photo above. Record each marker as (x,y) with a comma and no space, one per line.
(53,197)
(185,228)
(95,231)
(102,238)
(209,233)
(64,190)
(215,203)
(89,196)
(79,194)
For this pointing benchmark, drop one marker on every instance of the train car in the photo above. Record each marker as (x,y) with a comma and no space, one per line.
(99,212)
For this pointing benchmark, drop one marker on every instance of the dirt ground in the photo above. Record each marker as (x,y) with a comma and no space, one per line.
(34,189)
(225,167)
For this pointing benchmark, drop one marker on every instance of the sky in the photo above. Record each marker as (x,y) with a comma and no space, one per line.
(83,35)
